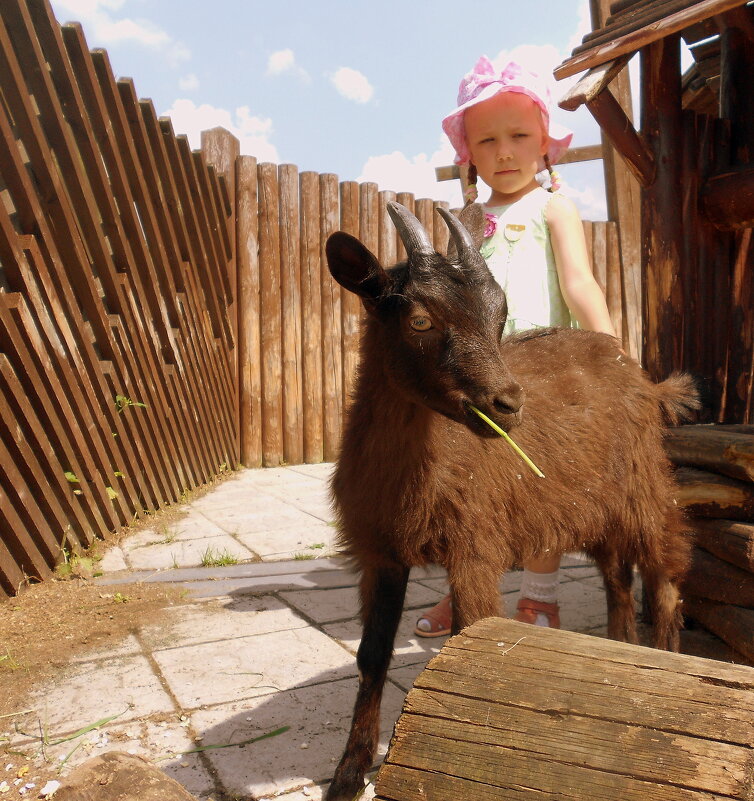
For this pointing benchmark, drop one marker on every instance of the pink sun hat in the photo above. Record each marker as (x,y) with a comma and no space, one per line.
(484,82)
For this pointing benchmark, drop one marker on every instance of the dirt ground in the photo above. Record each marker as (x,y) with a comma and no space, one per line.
(41,629)
(46,624)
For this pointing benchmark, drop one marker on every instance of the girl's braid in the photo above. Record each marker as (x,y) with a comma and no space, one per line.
(471,193)
(554,176)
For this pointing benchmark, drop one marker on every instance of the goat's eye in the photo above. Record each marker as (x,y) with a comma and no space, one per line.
(420,323)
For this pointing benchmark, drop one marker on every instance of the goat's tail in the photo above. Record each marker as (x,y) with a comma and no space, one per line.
(679,398)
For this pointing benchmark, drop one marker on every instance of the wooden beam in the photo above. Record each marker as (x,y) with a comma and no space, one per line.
(662,226)
(728,199)
(573,155)
(591,84)
(623,197)
(635,40)
(619,129)
(577,155)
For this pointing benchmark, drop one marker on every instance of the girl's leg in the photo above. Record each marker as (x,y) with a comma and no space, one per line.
(538,599)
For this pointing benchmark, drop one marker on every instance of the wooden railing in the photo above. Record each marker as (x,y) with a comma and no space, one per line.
(118,386)
(165,315)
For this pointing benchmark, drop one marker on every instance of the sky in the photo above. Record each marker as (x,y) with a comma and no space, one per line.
(353,87)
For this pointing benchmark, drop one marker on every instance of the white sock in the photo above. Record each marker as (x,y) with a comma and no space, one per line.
(542,587)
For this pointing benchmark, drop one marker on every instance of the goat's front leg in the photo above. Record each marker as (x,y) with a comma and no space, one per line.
(383,590)
(475,593)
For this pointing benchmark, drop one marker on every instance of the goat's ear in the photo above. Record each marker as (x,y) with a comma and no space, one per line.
(472,217)
(354,266)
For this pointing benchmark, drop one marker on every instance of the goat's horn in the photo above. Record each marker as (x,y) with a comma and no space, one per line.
(415,239)
(461,237)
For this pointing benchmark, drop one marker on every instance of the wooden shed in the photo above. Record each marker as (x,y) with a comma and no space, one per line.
(693,157)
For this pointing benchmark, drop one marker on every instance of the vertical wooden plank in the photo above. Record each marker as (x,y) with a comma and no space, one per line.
(424,213)
(271,320)
(369,222)
(440,231)
(614,295)
(741,330)
(623,205)
(692,327)
(405,199)
(387,252)
(332,360)
(311,315)
(350,304)
(249,347)
(221,150)
(662,225)
(290,295)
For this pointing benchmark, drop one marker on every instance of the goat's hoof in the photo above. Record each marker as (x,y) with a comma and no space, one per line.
(345,788)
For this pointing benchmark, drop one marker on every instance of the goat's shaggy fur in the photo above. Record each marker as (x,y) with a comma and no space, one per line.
(420,479)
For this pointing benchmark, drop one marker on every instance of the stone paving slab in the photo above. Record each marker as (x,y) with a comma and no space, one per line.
(311,540)
(186,553)
(206,673)
(126,687)
(220,620)
(308,752)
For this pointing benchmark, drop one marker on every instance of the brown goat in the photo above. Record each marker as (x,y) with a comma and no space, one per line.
(421,479)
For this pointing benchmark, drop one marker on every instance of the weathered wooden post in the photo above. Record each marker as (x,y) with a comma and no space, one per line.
(249,332)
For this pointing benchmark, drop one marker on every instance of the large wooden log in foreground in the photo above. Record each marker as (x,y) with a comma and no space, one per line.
(710,577)
(721,449)
(728,540)
(510,711)
(116,776)
(732,624)
(711,495)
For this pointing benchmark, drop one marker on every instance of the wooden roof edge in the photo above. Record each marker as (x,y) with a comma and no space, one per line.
(631,42)
(591,84)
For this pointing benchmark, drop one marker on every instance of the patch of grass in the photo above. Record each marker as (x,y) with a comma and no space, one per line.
(7,662)
(215,558)
(303,556)
(317,546)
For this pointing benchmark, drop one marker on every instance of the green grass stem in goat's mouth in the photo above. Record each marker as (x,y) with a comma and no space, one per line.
(513,445)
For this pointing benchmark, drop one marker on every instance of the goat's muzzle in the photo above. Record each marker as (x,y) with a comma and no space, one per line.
(504,407)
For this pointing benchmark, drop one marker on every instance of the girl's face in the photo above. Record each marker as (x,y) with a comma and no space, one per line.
(506,140)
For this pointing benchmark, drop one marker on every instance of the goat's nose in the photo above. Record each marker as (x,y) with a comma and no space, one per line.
(510,400)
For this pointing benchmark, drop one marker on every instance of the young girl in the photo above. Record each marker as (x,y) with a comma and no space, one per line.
(534,245)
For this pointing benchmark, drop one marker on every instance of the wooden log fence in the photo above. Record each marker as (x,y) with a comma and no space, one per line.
(165,315)
(716,477)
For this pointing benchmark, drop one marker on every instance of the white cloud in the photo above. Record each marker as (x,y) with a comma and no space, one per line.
(280,61)
(352,84)
(284,61)
(401,173)
(253,132)
(188,82)
(104,27)
(583,27)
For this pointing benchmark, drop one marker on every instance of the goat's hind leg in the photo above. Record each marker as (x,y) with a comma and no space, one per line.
(662,567)
(382,594)
(617,576)
(665,605)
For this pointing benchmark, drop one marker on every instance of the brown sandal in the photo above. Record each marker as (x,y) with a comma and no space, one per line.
(527,611)
(439,618)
